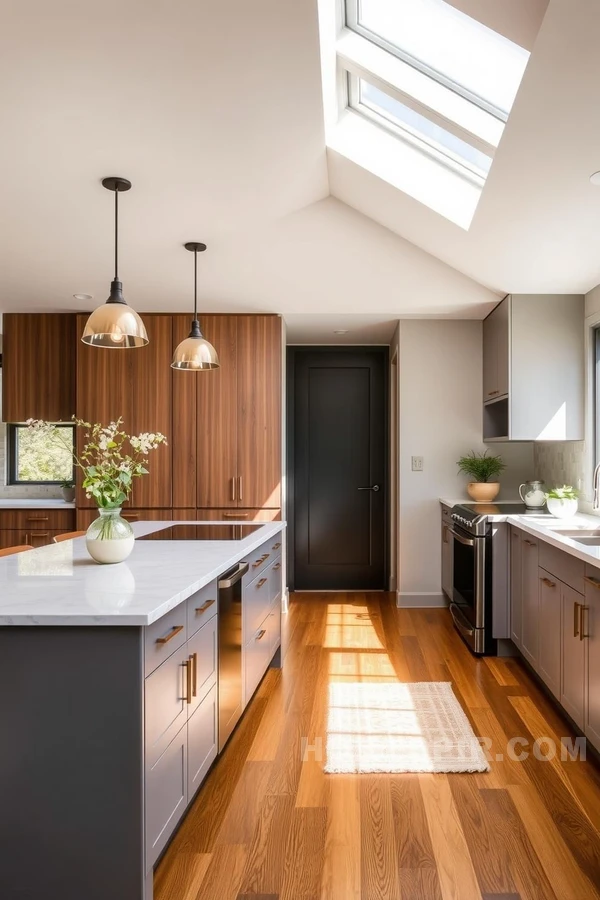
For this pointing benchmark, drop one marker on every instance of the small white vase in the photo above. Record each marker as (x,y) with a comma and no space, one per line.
(562,509)
(110,538)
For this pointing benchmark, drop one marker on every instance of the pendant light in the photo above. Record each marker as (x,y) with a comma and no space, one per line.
(195,352)
(115,325)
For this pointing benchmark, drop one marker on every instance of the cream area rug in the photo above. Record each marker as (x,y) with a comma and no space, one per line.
(393,727)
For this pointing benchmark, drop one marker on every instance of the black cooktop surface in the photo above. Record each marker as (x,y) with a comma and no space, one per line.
(506,509)
(233,532)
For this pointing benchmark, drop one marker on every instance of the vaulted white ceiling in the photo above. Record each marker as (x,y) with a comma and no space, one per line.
(214,112)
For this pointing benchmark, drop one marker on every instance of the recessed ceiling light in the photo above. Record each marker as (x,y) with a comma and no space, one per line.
(595,179)
(83,296)
(341,331)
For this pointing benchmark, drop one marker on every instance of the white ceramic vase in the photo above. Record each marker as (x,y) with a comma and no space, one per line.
(110,538)
(562,509)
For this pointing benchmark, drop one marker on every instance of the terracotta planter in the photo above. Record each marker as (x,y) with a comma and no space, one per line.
(483,491)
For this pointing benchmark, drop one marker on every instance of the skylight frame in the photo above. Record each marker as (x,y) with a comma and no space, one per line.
(351,18)
(417,139)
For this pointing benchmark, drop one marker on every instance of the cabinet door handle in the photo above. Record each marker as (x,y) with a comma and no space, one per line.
(548,583)
(130,515)
(260,583)
(194,659)
(260,634)
(594,582)
(188,680)
(576,608)
(240,496)
(260,561)
(205,606)
(277,545)
(169,637)
(276,567)
(233,488)
(235,515)
(493,393)
(37,518)
(582,630)
(529,543)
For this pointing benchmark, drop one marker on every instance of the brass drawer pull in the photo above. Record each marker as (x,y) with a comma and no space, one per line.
(277,545)
(265,556)
(204,607)
(175,630)
(548,583)
(130,515)
(260,583)
(276,567)
(194,659)
(37,518)
(529,543)
(260,561)
(188,680)
(594,582)
(235,515)
(38,534)
(576,618)
(493,393)
(260,634)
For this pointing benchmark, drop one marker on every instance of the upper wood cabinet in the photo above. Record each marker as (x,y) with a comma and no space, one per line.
(237,417)
(136,385)
(38,367)
(533,369)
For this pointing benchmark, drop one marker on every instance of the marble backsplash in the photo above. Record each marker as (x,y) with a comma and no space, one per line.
(561,462)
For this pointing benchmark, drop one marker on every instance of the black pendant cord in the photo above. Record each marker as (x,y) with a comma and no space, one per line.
(117,234)
(195,330)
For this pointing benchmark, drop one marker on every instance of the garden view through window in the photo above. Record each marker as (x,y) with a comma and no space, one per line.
(35,458)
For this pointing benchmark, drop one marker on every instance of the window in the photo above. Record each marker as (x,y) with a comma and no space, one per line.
(434,78)
(33,458)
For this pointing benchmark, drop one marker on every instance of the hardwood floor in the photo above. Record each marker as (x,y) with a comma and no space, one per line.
(270,825)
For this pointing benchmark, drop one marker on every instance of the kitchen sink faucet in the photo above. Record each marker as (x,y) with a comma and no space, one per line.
(596,503)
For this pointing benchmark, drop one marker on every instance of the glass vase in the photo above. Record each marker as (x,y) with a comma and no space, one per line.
(110,538)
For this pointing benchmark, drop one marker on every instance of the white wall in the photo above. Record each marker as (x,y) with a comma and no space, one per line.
(440,419)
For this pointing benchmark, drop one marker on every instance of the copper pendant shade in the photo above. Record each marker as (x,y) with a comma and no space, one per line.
(195,353)
(115,325)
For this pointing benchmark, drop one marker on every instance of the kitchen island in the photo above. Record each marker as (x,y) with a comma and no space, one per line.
(108,701)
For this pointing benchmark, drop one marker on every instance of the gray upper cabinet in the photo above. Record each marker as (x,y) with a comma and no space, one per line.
(533,368)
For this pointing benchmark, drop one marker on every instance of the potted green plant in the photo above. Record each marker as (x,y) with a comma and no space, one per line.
(481,467)
(67,489)
(562,501)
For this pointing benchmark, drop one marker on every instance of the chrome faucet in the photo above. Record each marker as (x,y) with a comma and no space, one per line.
(596,503)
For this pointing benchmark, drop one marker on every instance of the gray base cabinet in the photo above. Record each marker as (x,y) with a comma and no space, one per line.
(591,622)
(203,740)
(572,694)
(530,601)
(551,597)
(166,795)
(516,593)
(447,554)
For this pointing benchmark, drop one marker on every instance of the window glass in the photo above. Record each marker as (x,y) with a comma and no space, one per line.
(406,118)
(450,43)
(34,458)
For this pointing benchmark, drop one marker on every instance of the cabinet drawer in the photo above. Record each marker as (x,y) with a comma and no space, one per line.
(256,659)
(38,519)
(166,706)
(274,628)
(16,537)
(202,653)
(565,567)
(202,741)
(166,795)
(201,607)
(164,636)
(255,605)
(259,560)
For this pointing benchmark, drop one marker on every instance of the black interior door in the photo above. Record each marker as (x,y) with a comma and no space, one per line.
(338,468)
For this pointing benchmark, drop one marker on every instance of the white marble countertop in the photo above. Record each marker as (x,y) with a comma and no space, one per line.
(61,585)
(34,504)
(551,530)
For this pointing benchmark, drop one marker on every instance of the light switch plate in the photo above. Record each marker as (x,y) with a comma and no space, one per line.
(416,463)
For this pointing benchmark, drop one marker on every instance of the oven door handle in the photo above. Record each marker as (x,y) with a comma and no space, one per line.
(467,541)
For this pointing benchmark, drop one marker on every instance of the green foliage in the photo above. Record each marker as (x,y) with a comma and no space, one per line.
(109,460)
(480,466)
(41,458)
(566,492)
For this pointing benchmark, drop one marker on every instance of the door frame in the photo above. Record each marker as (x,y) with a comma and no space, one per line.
(292,353)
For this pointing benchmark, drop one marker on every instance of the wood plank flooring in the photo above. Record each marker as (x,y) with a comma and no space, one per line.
(269,825)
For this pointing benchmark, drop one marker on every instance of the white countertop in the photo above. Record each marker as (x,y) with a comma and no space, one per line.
(550,531)
(61,585)
(35,504)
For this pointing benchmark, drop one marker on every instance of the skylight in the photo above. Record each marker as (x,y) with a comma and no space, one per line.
(446,44)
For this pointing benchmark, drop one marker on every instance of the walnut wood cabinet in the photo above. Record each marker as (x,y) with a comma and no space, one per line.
(237,417)
(38,367)
(36,527)
(134,384)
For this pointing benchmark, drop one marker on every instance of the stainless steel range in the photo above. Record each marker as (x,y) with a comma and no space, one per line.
(471,605)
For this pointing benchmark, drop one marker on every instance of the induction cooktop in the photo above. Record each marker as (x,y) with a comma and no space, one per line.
(507,509)
(217,532)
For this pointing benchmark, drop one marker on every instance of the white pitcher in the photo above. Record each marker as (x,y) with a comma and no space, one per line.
(533,495)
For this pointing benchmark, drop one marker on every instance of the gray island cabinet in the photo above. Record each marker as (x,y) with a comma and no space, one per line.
(108,704)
